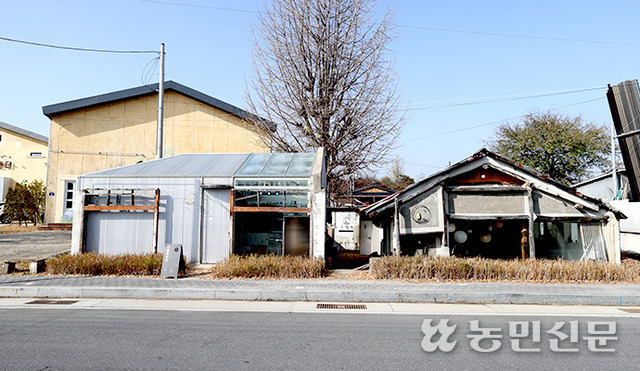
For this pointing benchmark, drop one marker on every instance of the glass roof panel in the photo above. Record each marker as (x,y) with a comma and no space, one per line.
(254,164)
(278,164)
(302,164)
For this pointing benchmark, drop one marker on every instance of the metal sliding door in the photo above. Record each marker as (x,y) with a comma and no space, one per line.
(215,225)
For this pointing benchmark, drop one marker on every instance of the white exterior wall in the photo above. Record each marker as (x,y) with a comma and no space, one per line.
(346,229)
(318,223)
(127,232)
(370,238)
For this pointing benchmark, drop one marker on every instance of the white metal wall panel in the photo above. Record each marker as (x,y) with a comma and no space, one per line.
(215,226)
(119,233)
(125,232)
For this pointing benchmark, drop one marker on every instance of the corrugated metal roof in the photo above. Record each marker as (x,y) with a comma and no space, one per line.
(186,165)
(624,103)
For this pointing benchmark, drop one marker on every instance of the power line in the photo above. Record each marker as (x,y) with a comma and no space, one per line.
(437,29)
(79,49)
(548,38)
(492,122)
(451,30)
(200,6)
(506,99)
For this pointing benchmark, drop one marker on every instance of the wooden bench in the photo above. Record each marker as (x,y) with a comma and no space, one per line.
(35,265)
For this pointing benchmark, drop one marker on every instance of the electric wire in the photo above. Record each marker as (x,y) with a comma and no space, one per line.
(145,76)
(425,28)
(79,49)
(201,6)
(507,99)
(492,122)
(520,36)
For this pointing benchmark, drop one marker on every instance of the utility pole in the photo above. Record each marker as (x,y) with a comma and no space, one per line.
(160,104)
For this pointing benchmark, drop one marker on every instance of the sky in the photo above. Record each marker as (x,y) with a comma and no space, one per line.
(463,67)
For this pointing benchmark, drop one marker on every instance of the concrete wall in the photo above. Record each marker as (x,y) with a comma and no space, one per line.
(16,160)
(124,133)
(423,214)
(486,203)
(346,229)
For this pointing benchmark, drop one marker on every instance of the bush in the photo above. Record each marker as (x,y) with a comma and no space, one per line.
(25,202)
(269,266)
(94,264)
(534,270)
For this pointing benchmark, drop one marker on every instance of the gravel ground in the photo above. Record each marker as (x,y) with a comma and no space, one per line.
(34,245)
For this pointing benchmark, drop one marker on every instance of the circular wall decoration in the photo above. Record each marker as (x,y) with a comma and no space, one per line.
(421,214)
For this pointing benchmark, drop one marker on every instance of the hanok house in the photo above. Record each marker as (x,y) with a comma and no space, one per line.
(213,205)
(490,206)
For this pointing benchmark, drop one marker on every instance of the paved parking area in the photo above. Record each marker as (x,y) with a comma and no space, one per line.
(34,245)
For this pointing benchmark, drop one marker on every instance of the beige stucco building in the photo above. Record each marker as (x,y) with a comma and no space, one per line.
(23,156)
(119,128)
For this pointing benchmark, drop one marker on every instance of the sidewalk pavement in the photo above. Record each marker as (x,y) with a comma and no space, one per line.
(331,290)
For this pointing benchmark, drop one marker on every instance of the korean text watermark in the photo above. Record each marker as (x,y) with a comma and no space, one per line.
(522,336)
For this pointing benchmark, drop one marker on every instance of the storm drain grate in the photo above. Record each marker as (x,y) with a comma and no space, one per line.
(341,306)
(51,301)
(630,310)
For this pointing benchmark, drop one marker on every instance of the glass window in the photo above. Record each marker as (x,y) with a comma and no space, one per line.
(35,154)
(68,194)
(246,198)
(297,199)
(559,239)
(271,183)
(271,199)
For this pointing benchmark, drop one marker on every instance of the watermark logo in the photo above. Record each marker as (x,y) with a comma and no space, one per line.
(443,341)
(523,336)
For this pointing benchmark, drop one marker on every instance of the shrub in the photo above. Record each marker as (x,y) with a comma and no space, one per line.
(269,266)
(25,202)
(542,270)
(94,264)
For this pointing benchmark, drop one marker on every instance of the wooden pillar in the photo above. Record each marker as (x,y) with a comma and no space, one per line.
(532,218)
(524,240)
(156,219)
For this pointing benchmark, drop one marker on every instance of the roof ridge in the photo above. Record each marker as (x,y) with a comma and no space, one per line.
(24,132)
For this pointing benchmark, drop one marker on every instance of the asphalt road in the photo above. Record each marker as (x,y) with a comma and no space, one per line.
(63,338)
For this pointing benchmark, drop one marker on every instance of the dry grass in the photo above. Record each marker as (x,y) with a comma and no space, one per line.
(478,269)
(95,265)
(269,266)
(15,228)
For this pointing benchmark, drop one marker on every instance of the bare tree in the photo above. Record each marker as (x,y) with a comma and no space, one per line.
(323,74)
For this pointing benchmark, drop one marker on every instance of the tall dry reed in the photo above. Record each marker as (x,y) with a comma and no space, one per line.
(534,270)
(269,266)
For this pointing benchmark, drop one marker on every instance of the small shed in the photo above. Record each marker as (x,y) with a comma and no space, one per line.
(487,205)
(213,205)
